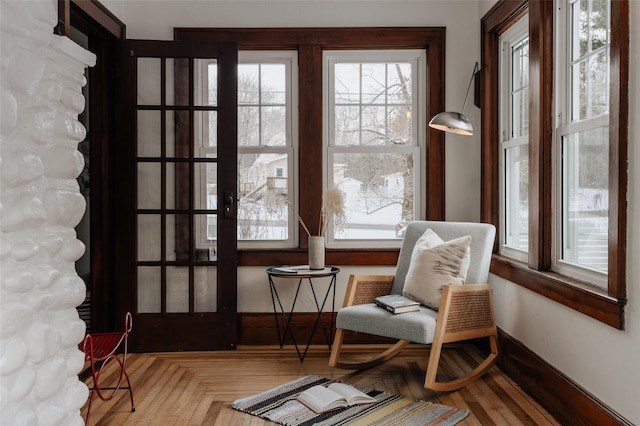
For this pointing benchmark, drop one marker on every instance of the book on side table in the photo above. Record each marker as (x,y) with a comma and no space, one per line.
(320,398)
(396,304)
(301,269)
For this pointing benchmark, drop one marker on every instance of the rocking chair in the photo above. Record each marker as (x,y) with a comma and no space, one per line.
(101,348)
(465,311)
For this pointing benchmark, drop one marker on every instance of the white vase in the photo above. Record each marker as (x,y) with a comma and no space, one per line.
(316,252)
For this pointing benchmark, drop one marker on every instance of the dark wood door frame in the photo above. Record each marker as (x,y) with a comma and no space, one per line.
(103,30)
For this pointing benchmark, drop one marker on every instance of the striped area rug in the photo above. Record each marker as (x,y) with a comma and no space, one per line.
(280,405)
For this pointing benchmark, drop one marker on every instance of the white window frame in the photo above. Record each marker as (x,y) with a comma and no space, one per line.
(513,36)
(565,126)
(419,84)
(201,77)
(290,60)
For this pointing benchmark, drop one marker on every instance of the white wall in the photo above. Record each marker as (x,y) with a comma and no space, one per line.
(597,357)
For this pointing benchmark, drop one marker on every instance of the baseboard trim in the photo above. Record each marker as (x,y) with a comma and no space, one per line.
(260,329)
(566,401)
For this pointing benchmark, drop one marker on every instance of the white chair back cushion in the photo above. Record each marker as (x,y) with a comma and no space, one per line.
(482,239)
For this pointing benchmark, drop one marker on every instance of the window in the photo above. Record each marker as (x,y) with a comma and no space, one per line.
(205,147)
(578,119)
(514,115)
(374,134)
(267,142)
(582,140)
(266,150)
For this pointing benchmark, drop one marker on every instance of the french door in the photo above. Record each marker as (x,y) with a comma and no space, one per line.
(176,228)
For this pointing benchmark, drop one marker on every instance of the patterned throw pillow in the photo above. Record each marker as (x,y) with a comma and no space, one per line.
(435,263)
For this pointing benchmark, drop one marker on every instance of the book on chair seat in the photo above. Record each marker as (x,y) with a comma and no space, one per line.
(396,304)
(320,398)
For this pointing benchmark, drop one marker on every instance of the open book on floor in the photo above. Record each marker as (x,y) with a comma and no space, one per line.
(396,304)
(320,398)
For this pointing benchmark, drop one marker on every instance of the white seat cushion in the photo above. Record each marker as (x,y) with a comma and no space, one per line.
(417,326)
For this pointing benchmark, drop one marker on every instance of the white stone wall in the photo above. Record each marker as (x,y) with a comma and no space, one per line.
(41,79)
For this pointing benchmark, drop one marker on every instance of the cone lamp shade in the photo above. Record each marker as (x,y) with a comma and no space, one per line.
(455,122)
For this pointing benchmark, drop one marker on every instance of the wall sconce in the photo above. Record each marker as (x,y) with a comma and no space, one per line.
(455,122)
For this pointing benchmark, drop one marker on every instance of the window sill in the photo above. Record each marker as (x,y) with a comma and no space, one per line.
(582,297)
(295,256)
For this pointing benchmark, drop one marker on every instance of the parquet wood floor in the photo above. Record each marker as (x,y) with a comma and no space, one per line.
(197,388)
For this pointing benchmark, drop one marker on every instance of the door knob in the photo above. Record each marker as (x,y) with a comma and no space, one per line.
(228,205)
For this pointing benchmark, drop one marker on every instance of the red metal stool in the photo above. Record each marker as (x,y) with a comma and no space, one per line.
(101,348)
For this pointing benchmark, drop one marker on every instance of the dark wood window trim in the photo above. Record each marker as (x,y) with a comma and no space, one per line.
(92,9)
(606,306)
(309,43)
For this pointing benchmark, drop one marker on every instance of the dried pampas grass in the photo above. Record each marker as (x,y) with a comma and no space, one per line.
(332,209)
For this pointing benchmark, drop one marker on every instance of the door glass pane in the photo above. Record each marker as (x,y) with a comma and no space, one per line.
(206,123)
(585,214)
(170,133)
(178,237)
(206,289)
(149,237)
(149,289)
(378,194)
(205,175)
(149,133)
(171,85)
(263,211)
(171,186)
(149,81)
(177,289)
(182,191)
(212,237)
(149,188)
(177,83)
(178,128)
(206,232)
(206,82)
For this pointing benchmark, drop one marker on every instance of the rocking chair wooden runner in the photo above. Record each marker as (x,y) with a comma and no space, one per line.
(465,311)
(99,350)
